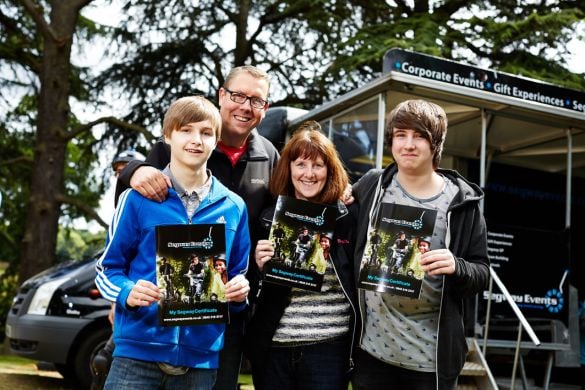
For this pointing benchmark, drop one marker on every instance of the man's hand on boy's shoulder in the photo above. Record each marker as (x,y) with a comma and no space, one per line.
(151,183)
(347,197)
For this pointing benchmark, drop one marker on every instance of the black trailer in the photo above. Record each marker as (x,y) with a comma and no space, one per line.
(523,141)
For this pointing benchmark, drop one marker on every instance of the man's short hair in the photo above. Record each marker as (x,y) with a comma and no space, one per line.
(252,70)
(429,119)
(191,109)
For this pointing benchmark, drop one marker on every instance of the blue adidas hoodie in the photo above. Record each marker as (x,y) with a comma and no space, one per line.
(130,255)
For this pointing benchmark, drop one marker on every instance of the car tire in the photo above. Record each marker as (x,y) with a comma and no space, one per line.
(80,363)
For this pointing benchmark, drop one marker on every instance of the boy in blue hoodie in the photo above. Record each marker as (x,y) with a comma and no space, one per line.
(148,355)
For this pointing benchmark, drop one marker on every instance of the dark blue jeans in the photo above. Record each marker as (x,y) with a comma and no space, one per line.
(323,366)
(373,374)
(140,375)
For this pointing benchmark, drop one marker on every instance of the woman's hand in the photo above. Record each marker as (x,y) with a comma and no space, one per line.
(264,252)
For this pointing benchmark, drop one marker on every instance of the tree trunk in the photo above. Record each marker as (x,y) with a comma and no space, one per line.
(241,49)
(42,222)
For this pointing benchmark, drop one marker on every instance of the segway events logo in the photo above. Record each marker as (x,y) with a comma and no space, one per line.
(555,301)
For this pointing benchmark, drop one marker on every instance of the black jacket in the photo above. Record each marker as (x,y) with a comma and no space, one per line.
(466,239)
(273,298)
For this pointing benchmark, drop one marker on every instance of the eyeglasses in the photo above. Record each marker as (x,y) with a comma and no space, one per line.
(240,98)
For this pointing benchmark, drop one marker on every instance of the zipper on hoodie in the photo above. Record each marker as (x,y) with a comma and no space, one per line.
(189,222)
(202,205)
(259,292)
(373,212)
(351,365)
(447,244)
(204,202)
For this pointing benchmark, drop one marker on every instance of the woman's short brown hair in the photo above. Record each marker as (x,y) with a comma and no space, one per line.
(309,142)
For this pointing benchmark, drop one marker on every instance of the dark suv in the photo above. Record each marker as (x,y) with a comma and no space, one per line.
(59,316)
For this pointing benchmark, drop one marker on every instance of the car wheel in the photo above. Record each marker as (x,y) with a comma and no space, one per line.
(81,362)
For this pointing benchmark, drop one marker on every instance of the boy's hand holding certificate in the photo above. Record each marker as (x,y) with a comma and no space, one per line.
(191,273)
(391,262)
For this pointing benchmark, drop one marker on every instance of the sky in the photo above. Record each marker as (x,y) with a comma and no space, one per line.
(577,62)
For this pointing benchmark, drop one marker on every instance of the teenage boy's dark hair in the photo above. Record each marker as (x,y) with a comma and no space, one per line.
(429,119)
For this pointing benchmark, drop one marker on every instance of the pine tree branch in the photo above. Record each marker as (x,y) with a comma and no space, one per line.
(35,11)
(112,120)
(17,160)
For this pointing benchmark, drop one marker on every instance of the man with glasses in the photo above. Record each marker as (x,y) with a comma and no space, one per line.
(243,161)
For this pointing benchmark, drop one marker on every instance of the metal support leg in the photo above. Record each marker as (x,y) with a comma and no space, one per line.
(523,373)
(549,365)
(516,355)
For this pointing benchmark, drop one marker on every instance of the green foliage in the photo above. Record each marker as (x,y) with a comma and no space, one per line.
(21,56)
(72,245)
(84,182)
(8,288)
(528,38)
(78,244)
(318,49)
(15,168)
(196,45)
(313,49)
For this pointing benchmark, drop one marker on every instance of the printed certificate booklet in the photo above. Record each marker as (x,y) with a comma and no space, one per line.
(302,233)
(191,272)
(400,235)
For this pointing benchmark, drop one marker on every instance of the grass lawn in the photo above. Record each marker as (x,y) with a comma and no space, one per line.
(23,374)
(16,363)
(14,360)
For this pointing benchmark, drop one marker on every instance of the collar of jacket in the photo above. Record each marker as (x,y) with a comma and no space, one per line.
(217,191)
(469,191)
(256,149)
(341,209)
